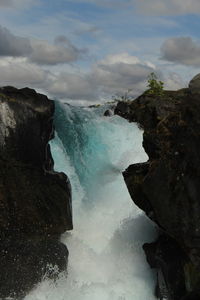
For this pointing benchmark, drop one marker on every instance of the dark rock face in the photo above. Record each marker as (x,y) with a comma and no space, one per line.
(35,201)
(24,263)
(166,256)
(194,85)
(108,113)
(167,187)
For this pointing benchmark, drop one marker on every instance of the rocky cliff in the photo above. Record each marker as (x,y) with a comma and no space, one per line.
(167,186)
(35,201)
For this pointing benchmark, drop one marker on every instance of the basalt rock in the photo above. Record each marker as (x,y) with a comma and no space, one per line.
(167,257)
(194,85)
(167,187)
(108,113)
(24,263)
(35,201)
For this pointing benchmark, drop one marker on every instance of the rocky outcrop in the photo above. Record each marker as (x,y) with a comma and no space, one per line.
(35,201)
(108,113)
(167,187)
(194,85)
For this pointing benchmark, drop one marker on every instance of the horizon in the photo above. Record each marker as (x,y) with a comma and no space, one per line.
(87,51)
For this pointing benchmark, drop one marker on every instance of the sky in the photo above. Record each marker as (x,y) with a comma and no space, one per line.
(86,51)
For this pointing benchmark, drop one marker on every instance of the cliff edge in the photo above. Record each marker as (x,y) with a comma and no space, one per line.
(167,186)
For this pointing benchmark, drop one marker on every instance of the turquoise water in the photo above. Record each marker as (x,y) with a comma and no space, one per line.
(106,260)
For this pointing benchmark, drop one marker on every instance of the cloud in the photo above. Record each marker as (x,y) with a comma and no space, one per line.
(38,51)
(17,3)
(11,45)
(169,7)
(173,81)
(84,28)
(5,3)
(107,3)
(124,58)
(118,73)
(112,76)
(152,7)
(19,73)
(73,86)
(181,50)
(62,51)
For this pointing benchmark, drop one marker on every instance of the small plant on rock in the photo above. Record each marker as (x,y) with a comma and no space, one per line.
(155,86)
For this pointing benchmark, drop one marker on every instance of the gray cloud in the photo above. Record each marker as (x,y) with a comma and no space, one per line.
(153,7)
(108,3)
(117,74)
(22,4)
(38,51)
(5,3)
(169,7)
(19,73)
(63,51)
(108,78)
(85,29)
(61,39)
(11,45)
(173,81)
(181,50)
(73,86)
(112,76)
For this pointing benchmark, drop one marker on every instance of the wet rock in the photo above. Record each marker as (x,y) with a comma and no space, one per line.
(32,262)
(167,186)
(192,296)
(133,177)
(166,255)
(122,108)
(108,113)
(35,201)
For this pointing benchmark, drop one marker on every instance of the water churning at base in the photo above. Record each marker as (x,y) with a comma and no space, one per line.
(106,260)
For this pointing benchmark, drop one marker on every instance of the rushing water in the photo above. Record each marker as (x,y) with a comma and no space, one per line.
(106,260)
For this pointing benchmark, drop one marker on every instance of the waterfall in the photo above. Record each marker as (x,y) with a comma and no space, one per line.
(106,260)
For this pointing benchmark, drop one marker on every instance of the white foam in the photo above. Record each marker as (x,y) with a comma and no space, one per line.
(106,260)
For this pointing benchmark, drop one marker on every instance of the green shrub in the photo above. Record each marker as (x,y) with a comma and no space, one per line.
(155,86)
